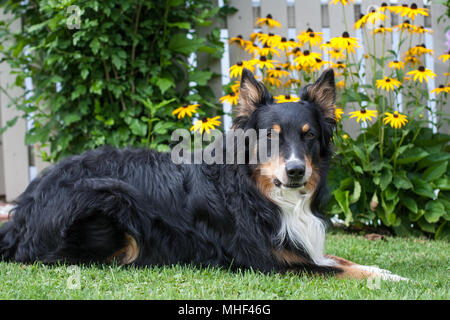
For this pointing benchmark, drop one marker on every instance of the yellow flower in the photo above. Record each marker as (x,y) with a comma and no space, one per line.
(345,136)
(382,29)
(269,21)
(397,64)
(206,124)
(186,109)
(406,26)
(283,44)
(343,2)
(388,84)
(238,40)
(396,120)
(231,98)
(340,84)
(278,73)
(311,37)
(441,89)
(338,112)
(307,59)
(262,62)
(319,64)
(273,81)
(252,48)
(292,82)
(413,11)
(363,114)
(422,73)
(345,42)
(361,22)
(422,30)
(266,50)
(236,70)
(269,38)
(286,98)
(444,57)
(337,54)
(420,50)
(374,17)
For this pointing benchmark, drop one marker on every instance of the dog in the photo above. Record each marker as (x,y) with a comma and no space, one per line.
(136,207)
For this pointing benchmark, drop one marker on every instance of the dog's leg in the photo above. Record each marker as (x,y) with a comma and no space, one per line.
(127,254)
(356,271)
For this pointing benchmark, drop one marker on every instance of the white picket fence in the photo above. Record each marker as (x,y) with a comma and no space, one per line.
(18,164)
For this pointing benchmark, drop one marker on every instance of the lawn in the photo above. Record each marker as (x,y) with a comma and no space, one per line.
(425,262)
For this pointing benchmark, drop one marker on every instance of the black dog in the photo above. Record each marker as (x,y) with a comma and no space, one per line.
(135,206)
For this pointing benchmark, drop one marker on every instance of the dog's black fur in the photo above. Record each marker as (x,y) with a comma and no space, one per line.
(81,209)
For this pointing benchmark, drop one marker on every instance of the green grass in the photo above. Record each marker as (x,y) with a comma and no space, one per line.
(425,262)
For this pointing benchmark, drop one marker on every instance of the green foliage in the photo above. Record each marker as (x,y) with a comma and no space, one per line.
(406,188)
(116,79)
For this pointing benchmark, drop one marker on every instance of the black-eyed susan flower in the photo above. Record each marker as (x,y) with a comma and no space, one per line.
(345,42)
(363,114)
(422,30)
(252,48)
(292,83)
(345,136)
(396,119)
(420,50)
(340,84)
(338,112)
(388,83)
(206,124)
(339,65)
(284,45)
(396,65)
(263,62)
(405,26)
(382,30)
(296,51)
(286,98)
(267,50)
(186,109)
(273,81)
(236,70)
(412,60)
(361,22)
(343,2)
(235,87)
(238,40)
(325,46)
(337,54)
(444,57)
(384,6)
(268,21)
(319,64)
(375,17)
(441,89)
(422,74)
(311,37)
(307,58)
(269,39)
(278,72)
(232,98)
(413,11)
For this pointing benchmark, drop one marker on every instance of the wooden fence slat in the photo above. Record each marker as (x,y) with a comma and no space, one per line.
(440,47)
(14,151)
(240,23)
(308,15)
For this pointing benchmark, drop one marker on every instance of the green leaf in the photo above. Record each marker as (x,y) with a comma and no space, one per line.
(410,203)
(442,183)
(71,117)
(401,181)
(416,216)
(181,25)
(342,198)
(179,43)
(200,77)
(385,178)
(443,232)
(412,155)
(435,171)
(138,128)
(356,193)
(164,84)
(433,211)
(423,188)
(426,226)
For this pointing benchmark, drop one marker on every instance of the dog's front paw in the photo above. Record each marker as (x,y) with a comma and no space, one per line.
(383,274)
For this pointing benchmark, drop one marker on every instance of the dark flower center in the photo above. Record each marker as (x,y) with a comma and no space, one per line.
(346,34)
(422,45)
(372,11)
(283,39)
(288,96)
(363,111)
(384,4)
(311,35)
(204,119)
(421,68)
(406,22)
(232,94)
(395,61)
(278,68)
(381,26)
(271,34)
(309,30)
(263,58)
(395,115)
(240,64)
(414,6)
(441,86)
(404,5)
(269,16)
(239,36)
(388,80)
(185,105)
(318,60)
(306,52)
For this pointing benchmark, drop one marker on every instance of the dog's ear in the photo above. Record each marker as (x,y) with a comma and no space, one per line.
(322,93)
(252,95)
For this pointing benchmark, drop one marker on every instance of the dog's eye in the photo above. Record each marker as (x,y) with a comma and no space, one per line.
(309,135)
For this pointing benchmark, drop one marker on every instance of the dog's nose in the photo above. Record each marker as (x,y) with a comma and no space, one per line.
(295,170)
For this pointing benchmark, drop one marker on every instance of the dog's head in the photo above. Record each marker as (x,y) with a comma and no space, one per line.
(303,131)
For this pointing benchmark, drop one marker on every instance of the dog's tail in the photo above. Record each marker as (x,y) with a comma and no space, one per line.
(98,220)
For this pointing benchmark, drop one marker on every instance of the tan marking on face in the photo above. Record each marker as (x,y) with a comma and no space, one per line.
(288,257)
(314,179)
(305,128)
(265,174)
(127,254)
(276,128)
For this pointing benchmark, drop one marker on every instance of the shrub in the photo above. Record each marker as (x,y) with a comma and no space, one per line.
(117,76)
(395,173)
